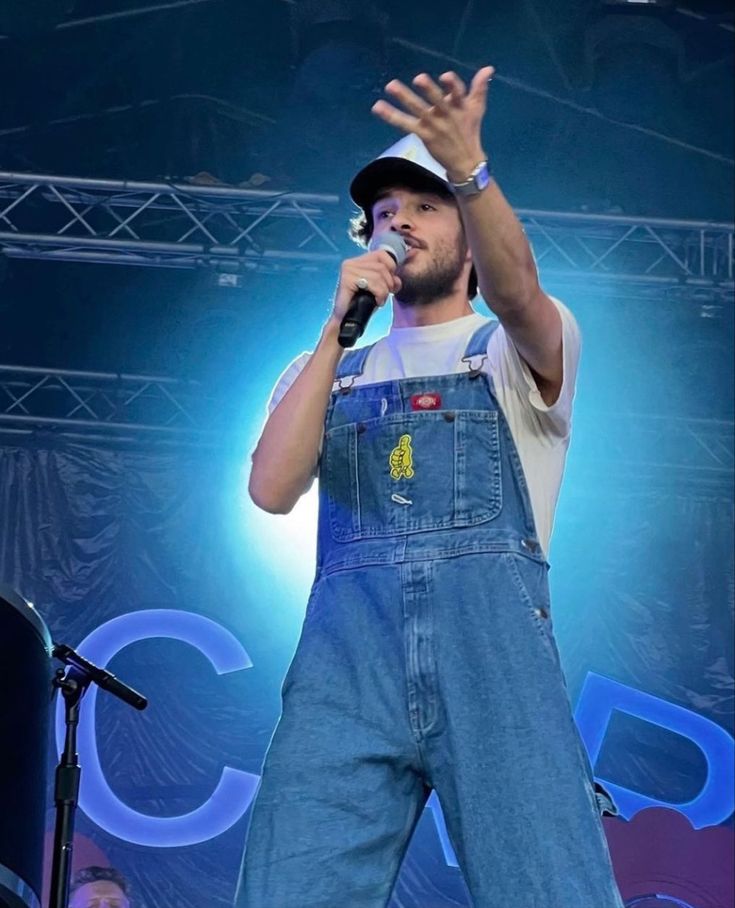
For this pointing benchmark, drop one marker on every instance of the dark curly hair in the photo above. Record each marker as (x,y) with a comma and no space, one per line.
(95,874)
(361,229)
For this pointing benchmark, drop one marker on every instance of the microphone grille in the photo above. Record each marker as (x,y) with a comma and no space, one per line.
(392,243)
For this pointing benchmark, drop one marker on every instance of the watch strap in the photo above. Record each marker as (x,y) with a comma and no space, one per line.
(476,182)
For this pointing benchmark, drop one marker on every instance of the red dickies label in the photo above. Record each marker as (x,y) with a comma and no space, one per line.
(428,400)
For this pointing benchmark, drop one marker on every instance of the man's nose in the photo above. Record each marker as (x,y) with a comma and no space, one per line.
(400,222)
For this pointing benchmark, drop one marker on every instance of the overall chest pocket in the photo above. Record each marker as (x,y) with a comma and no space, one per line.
(411,472)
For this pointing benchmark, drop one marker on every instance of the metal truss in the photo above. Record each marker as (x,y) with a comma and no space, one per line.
(632,252)
(231,231)
(654,451)
(90,404)
(226,229)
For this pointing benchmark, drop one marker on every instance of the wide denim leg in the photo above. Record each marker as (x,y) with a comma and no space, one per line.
(342,787)
(505,756)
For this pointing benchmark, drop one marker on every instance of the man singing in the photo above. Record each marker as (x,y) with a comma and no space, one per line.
(427,659)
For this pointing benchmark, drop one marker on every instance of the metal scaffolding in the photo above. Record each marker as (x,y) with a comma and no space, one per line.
(630,450)
(633,252)
(103,405)
(233,231)
(164,225)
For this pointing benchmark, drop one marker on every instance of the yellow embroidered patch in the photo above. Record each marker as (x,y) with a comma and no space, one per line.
(401,459)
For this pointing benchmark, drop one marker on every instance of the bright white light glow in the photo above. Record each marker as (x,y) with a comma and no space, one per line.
(287,542)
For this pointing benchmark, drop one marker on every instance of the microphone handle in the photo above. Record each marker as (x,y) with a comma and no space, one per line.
(119,689)
(356,318)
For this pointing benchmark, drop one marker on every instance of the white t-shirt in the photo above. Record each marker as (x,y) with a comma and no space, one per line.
(541,433)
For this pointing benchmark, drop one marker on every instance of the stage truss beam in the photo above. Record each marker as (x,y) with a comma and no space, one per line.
(232,231)
(103,404)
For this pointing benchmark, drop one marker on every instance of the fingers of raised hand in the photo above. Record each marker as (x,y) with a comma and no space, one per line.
(407,98)
(430,90)
(418,108)
(454,87)
(394,117)
(438,99)
(481,79)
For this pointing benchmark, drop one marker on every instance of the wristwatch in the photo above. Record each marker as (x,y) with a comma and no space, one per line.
(478,180)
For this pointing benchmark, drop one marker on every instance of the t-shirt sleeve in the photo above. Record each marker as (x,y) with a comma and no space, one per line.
(507,364)
(288,377)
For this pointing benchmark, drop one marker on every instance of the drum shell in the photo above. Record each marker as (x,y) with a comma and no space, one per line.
(25,712)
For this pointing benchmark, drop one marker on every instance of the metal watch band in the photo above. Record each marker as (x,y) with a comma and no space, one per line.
(477,181)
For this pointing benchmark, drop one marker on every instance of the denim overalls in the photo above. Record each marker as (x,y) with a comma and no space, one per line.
(426,660)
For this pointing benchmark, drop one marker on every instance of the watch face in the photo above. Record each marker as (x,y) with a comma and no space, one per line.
(482,177)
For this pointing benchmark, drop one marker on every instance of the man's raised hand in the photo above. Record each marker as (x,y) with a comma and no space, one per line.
(446,117)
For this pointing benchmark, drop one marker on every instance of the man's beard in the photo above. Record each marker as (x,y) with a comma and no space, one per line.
(436,281)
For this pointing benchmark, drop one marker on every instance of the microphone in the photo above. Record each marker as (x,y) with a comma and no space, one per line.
(88,671)
(363,302)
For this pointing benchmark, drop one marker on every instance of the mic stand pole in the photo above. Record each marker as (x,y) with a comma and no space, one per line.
(66,788)
(73,683)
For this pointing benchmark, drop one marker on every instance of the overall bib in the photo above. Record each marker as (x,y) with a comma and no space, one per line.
(426,661)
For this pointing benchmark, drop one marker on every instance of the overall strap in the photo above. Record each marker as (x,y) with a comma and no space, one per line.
(476,352)
(352,363)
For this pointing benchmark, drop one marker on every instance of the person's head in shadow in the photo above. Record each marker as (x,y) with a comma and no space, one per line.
(99,887)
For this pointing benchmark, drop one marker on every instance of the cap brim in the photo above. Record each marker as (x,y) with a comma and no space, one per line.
(386,172)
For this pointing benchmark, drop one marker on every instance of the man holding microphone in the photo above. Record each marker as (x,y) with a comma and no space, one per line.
(427,658)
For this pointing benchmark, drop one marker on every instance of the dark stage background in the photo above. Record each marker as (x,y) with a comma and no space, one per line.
(596,108)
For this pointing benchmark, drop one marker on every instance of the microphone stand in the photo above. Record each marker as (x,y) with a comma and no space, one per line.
(73,683)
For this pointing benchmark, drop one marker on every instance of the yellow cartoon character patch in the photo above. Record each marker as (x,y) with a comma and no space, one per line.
(401,459)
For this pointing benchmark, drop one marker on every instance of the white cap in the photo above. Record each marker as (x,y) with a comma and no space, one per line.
(407,162)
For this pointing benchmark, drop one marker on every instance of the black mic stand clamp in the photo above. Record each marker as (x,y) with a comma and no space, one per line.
(73,683)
